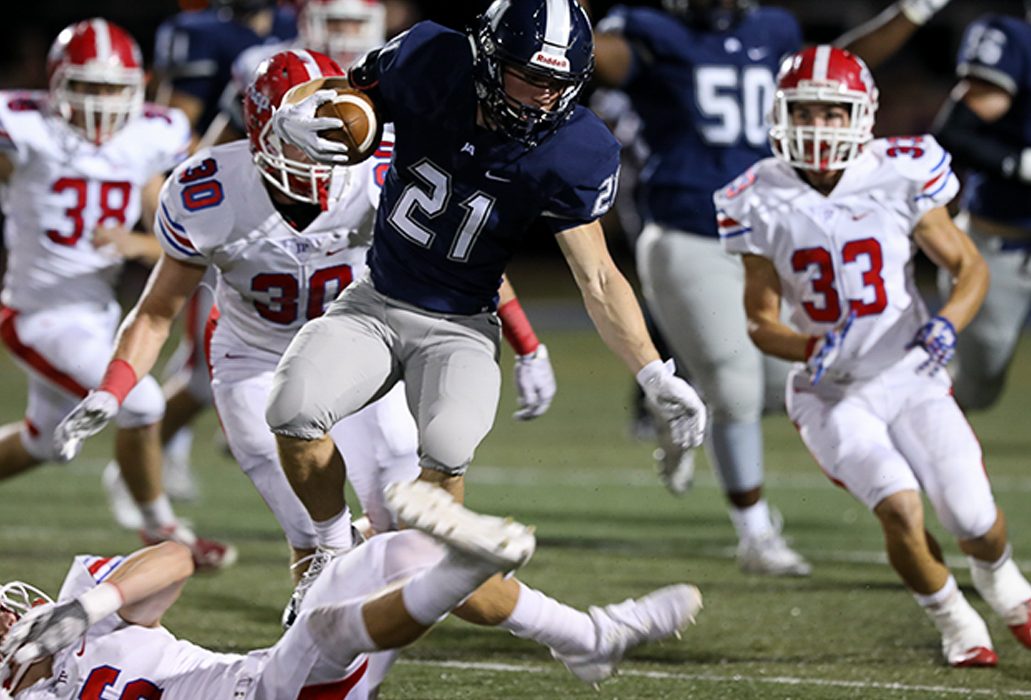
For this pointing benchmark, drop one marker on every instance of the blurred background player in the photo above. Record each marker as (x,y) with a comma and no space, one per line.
(77,165)
(340,29)
(700,74)
(830,227)
(194,52)
(987,127)
(384,594)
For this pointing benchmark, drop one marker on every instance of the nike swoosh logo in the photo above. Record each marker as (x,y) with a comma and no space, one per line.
(497,178)
(82,649)
(231,356)
(857,217)
(334,252)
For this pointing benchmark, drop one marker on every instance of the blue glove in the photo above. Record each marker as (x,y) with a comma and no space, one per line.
(827,349)
(938,338)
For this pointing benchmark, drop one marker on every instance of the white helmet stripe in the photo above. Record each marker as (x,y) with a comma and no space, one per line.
(309,63)
(559,24)
(821,60)
(103,38)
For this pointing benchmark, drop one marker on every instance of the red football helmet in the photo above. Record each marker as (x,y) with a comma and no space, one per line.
(342,29)
(96,78)
(287,76)
(829,75)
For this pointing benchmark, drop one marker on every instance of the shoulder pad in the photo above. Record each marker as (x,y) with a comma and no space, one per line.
(194,215)
(916,158)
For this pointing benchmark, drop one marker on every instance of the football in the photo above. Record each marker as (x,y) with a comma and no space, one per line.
(361,131)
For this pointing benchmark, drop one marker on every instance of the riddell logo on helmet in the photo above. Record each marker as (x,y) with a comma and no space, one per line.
(550,61)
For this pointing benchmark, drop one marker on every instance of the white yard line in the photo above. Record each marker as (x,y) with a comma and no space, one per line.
(734,678)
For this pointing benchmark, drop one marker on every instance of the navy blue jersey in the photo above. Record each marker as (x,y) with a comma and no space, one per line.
(703,97)
(997,49)
(196,50)
(459,199)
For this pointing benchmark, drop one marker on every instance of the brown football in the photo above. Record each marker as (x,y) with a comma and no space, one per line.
(361,131)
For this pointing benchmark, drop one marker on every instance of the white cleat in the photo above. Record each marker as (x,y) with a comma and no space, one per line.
(769,554)
(503,542)
(621,627)
(124,509)
(965,639)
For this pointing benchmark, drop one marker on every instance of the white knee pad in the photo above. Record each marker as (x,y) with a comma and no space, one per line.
(145,405)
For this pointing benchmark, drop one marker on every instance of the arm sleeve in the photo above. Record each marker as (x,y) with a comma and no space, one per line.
(928,167)
(741,229)
(587,194)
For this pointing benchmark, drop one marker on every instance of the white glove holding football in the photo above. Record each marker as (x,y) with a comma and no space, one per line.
(88,418)
(535,383)
(827,349)
(921,11)
(297,124)
(674,401)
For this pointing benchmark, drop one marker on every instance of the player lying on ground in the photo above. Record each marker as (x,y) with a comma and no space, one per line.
(103,637)
(830,226)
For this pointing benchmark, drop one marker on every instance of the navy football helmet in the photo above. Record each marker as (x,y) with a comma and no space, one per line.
(716,15)
(546,40)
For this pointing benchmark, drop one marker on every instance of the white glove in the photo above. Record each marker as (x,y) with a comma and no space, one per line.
(48,629)
(297,124)
(1024,172)
(921,11)
(827,349)
(535,383)
(86,419)
(675,402)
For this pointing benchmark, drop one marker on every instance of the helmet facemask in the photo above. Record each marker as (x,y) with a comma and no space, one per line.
(810,147)
(96,101)
(17,598)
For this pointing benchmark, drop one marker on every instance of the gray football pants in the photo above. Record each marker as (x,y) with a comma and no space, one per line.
(366,343)
(985,347)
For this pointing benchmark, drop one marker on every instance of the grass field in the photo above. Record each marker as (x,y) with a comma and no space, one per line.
(607,530)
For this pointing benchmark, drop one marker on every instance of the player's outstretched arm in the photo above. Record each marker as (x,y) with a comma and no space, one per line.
(140,590)
(964,128)
(613,308)
(534,376)
(762,308)
(877,40)
(140,338)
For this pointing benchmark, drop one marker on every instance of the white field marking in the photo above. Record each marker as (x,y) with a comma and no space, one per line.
(643,476)
(735,678)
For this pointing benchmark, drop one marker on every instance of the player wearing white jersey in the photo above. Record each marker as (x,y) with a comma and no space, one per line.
(76,165)
(103,636)
(830,226)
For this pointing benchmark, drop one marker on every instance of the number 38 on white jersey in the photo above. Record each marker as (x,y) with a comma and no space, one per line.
(849,251)
(215,210)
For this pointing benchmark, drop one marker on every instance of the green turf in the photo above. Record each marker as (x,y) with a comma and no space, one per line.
(607,530)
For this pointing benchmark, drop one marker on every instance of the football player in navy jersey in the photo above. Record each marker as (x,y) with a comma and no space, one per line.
(700,74)
(987,125)
(489,140)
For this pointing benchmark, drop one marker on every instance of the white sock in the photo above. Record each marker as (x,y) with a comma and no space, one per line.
(433,593)
(158,513)
(1002,586)
(335,533)
(939,596)
(753,521)
(545,620)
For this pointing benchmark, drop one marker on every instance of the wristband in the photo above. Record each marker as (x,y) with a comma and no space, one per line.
(652,372)
(119,379)
(810,345)
(517,329)
(101,601)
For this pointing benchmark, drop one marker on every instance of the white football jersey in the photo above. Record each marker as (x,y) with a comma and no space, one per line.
(63,187)
(215,210)
(849,250)
(118,660)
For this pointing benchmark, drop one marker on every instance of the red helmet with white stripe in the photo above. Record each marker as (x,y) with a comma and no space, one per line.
(287,76)
(342,29)
(96,78)
(823,74)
